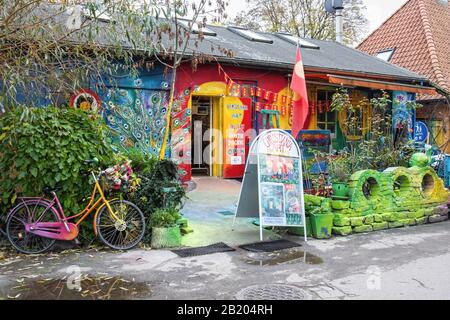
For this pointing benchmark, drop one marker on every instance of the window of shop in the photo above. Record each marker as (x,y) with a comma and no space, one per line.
(326,119)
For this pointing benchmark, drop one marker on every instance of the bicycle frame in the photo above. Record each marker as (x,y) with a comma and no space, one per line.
(64,229)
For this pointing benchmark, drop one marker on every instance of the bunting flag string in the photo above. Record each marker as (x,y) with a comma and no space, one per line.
(267,99)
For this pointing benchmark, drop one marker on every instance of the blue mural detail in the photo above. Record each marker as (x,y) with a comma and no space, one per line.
(136,117)
(135,110)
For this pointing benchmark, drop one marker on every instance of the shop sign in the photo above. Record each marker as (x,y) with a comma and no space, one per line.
(236,122)
(421,132)
(272,188)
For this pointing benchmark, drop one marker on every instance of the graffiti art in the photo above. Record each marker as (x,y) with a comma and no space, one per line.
(86,100)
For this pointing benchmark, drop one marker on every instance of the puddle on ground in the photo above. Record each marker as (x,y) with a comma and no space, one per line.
(92,288)
(282,257)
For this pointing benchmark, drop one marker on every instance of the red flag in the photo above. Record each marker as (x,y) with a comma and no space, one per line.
(301,106)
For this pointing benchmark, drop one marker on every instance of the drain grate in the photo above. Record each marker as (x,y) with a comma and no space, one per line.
(227,213)
(273,292)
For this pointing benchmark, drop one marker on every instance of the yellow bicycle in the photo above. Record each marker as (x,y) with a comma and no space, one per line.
(34,224)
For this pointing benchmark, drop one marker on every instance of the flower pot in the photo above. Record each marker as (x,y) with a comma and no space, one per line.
(322,225)
(299,231)
(166,237)
(340,190)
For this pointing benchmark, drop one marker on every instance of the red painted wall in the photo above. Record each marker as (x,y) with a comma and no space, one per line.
(186,81)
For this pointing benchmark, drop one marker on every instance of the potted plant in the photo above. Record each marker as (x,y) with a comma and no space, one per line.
(339,173)
(165,229)
(322,221)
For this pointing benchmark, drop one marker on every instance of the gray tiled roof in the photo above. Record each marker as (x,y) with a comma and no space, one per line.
(281,53)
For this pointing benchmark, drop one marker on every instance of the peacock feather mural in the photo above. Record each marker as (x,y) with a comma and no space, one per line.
(136,118)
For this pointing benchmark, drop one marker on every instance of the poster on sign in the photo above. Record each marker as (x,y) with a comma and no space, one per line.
(272,188)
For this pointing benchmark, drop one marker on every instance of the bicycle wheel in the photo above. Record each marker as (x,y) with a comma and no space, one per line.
(3,226)
(123,234)
(29,212)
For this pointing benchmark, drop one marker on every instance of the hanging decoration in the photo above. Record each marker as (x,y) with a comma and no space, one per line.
(272,99)
(313,108)
(275,97)
(320,106)
(259,92)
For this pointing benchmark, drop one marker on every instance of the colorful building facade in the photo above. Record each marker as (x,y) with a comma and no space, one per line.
(220,106)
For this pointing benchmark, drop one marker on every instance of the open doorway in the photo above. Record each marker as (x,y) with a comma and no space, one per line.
(201,125)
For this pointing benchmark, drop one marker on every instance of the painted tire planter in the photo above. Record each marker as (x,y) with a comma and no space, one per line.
(322,225)
(366,190)
(166,237)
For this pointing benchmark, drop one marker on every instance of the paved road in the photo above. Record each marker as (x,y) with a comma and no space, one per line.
(406,263)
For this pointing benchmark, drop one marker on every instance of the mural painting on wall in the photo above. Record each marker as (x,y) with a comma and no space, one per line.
(181,133)
(263,91)
(402,116)
(86,100)
(136,118)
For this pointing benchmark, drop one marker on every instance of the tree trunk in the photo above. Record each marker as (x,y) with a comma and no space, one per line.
(168,115)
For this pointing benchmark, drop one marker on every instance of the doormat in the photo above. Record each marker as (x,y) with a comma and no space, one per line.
(227,213)
(269,246)
(200,251)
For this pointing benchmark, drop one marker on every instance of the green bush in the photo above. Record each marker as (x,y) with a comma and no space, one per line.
(142,164)
(48,148)
(156,179)
(165,218)
(152,192)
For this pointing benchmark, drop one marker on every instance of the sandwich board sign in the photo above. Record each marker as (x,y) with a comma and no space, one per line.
(272,188)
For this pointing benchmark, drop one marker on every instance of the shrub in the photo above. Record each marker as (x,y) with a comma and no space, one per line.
(48,148)
(152,194)
(142,164)
(165,218)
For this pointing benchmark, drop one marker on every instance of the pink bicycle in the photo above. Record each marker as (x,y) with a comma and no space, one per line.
(34,225)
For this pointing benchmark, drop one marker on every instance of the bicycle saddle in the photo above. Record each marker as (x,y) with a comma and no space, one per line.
(49,190)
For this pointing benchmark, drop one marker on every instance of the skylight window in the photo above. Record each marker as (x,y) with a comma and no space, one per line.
(293,40)
(97,14)
(385,55)
(195,29)
(250,35)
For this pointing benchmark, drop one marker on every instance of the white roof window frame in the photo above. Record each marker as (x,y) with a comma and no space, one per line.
(386,54)
(195,28)
(249,34)
(293,40)
(98,14)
